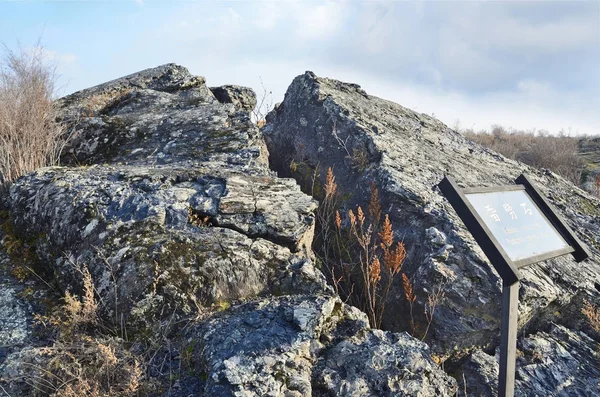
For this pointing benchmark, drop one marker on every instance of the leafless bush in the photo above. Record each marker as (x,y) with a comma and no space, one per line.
(263,106)
(30,136)
(557,153)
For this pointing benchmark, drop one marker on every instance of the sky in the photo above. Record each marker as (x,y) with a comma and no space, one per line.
(520,64)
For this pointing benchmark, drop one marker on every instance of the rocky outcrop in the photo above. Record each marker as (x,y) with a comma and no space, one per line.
(326,123)
(314,346)
(560,362)
(187,215)
(15,312)
(242,97)
(168,201)
(167,198)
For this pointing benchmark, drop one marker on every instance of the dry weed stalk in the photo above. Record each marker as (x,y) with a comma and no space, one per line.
(361,256)
(263,106)
(410,298)
(433,300)
(359,253)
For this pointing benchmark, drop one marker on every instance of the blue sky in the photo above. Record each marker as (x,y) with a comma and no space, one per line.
(519,64)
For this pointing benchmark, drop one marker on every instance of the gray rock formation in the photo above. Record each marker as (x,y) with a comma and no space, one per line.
(560,362)
(15,312)
(242,97)
(188,195)
(313,346)
(170,204)
(328,123)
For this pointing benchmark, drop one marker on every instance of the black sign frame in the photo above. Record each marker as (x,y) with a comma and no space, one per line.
(507,268)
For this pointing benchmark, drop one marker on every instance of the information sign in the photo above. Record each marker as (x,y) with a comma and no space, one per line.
(518,224)
(514,226)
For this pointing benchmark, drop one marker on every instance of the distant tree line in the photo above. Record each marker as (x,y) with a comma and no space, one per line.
(558,153)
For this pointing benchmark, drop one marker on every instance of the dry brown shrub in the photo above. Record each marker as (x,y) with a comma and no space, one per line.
(30,135)
(360,255)
(592,314)
(558,153)
(79,366)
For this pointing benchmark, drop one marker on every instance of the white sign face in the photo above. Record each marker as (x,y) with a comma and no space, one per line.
(517,223)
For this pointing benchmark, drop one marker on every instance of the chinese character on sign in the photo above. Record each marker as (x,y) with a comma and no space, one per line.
(508,208)
(492,213)
(527,210)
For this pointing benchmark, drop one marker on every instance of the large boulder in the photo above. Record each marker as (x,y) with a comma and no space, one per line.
(560,362)
(198,253)
(174,207)
(327,123)
(313,346)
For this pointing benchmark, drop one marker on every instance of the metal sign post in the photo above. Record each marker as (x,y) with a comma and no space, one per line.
(515,227)
(508,340)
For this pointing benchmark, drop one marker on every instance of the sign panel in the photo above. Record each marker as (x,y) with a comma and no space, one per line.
(517,223)
(514,226)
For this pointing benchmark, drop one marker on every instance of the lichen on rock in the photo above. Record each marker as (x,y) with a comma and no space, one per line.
(198,254)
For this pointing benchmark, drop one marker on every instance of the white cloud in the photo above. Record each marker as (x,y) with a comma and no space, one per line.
(480,63)
(139,2)
(269,15)
(461,62)
(508,27)
(320,22)
(535,89)
(53,56)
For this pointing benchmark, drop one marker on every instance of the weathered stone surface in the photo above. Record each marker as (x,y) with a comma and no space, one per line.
(364,138)
(160,116)
(313,345)
(186,215)
(170,204)
(242,97)
(559,362)
(480,375)
(20,299)
(15,313)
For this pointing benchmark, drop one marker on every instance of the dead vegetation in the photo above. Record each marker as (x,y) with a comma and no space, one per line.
(558,153)
(30,135)
(361,255)
(263,107)
(85,359)
(592,314)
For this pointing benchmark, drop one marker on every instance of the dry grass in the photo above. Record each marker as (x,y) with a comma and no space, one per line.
(592,314)
(84,366)
(559,154)
(361,256)
(84,360)
(30,136)
(94,104)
